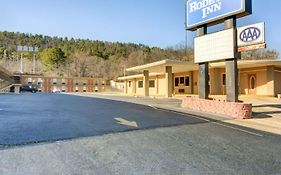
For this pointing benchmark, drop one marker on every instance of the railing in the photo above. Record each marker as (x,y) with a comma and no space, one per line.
(6,89)
(6,75)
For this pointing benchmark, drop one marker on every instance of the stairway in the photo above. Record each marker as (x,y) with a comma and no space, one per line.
(6,88)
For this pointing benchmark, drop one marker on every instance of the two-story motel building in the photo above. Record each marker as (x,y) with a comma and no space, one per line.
(61,84)
(170,77)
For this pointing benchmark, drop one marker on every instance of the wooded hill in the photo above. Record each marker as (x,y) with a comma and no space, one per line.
(83,57)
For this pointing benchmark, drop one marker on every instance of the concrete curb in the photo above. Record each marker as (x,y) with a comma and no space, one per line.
(206,116)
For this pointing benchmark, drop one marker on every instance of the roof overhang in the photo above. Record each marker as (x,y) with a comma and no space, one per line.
(160,66)
(138,76)
(244,64)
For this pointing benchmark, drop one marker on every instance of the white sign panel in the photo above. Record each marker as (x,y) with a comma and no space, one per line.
(215,46)
(251,35)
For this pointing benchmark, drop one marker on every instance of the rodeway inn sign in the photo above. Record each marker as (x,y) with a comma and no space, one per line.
(200,12)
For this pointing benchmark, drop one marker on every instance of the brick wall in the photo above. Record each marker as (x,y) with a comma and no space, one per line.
(229,109)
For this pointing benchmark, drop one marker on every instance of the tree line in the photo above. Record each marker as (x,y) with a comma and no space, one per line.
(85,58)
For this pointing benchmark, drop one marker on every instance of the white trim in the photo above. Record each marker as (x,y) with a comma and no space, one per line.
(260,70)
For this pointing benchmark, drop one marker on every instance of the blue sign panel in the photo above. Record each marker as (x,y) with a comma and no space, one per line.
(200,12)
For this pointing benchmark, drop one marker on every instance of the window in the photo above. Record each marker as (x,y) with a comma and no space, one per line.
(181,91)
(130,83)
(29,80)
(140,84)
(181,80)
(152,83)
(84,83)
(223,79)
(96,83)
(177,81)
(253,83)
(39,81)
(187,81)
(54,81)
(63,82)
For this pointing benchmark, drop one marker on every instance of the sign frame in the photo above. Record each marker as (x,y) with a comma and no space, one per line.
(245,10)
(251,47)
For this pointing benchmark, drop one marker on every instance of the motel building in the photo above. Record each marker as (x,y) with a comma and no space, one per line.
(61,84)
(169,78)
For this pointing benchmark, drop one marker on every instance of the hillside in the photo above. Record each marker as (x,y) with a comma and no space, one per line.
(86,58)
(80,57)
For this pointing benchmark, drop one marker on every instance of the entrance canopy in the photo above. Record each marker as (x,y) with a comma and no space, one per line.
(159,67)
(181,66)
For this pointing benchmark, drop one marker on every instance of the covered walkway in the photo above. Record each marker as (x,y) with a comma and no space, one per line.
(170,77)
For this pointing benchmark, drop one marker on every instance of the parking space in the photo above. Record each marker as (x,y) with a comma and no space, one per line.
(31,118)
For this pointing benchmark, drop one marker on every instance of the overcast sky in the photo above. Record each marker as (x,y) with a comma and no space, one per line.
(152,22)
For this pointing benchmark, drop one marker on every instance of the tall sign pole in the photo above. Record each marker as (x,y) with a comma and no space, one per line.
(203,70)
(217,46)
(231,65)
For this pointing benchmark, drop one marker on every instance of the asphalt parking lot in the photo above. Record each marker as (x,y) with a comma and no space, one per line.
(64,134)
(33,118)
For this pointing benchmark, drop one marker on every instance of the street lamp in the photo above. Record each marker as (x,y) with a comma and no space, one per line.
(22,49)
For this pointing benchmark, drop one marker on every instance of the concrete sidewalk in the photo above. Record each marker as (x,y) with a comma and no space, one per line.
(266,110)
(266,115)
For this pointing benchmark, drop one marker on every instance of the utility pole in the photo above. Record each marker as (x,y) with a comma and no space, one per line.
(17,61)
(185,24)
(124,70)
(5,54)
(34,63)
(5,58)
(21,63)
